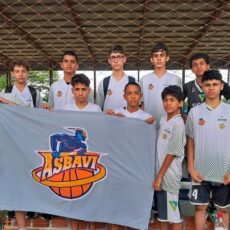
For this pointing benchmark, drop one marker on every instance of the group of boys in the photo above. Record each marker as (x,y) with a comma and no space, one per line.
(207,126)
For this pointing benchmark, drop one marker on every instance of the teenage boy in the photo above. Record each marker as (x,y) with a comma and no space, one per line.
(170,153)
(153,84)
(208,128)
(61,90)
(199,63)
(111,89)
(132,95)
(20,92)
(23,95)
(81,91)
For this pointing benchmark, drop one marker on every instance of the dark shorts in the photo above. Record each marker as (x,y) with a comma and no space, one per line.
(220,194)
(168,207)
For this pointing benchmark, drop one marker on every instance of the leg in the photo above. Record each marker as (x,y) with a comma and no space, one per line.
(177,226)
(21,219)
(200,217)
(74,225)
(164,226)
(224,211)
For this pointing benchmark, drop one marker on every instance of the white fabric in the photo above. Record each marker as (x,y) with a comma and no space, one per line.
(90,107)
(60,94)
(152,87)
(24,95)
(171,140)
(114,98)
(140,114)
(210,129)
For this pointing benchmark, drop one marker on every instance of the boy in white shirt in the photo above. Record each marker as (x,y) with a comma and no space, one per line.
(60,91)
(111,89)
(20,92)
(170,153)
(132,95)
(208,128)
(81,89)
(153,84)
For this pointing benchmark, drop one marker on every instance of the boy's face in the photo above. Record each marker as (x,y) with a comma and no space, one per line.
(117,60)
(212,89)
(20,74)
(69,64)
(199,66)
(81,92)
(171,105)
(159,59)
(133,96)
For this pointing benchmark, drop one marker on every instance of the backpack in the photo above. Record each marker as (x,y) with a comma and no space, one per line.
(106,83)
(31,89)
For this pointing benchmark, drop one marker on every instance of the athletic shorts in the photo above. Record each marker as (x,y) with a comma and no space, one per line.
(220,194)
(168,207)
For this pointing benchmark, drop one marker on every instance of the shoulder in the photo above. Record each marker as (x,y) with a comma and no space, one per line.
(94,107)
(58,83)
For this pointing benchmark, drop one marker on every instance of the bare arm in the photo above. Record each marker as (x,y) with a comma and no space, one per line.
(167,162)
(196,177)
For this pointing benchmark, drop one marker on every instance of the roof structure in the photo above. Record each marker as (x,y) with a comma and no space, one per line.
(39,31)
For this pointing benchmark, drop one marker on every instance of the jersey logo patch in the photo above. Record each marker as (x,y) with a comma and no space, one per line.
(221,126)
(173,204)
(109,92)
(59,93)
(164,136)
(151,86)
(201,122)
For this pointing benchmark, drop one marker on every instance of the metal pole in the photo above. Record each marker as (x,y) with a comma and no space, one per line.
(95,84)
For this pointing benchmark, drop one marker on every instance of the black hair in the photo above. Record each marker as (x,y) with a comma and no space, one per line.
(19,63)
(198,56)
(132,83)
(160,46)
(80,78)
(117,49)
(70,53)
(212,74)
(173,90)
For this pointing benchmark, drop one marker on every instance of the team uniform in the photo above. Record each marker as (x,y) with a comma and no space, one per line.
(193,92)
(114,97)
(60,94)
(90,107)
(29,97)
(170,140)
(210,130)
(140,114)
(152,86)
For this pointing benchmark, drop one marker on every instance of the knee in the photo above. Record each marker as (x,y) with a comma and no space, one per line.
(200,208)
(223,210)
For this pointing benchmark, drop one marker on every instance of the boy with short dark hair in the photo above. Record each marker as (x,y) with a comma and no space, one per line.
(111,89)
(60,91)
(170,153)
(153,84)
(132,95)
(81,90)
(199,63)
(208,128)
(21,93)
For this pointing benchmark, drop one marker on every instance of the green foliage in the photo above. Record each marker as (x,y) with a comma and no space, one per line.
(2,82)
(40,80)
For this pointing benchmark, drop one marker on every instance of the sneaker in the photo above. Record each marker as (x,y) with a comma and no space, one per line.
(151,219)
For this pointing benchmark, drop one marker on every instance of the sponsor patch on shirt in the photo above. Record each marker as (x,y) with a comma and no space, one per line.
(59,93)
(201,122)
(151,86)
(109,92)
